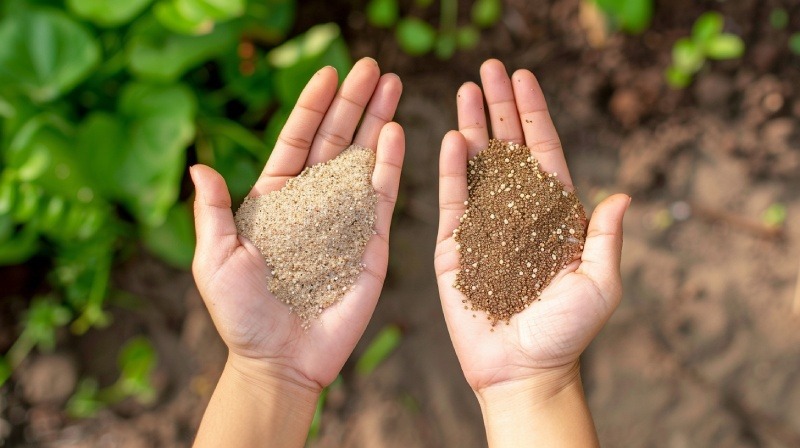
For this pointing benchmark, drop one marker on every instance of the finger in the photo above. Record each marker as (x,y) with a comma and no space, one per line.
(337,128)
(500,98)
(540,133)
(603,247)
(386,177)
(216,232)
(452,183)
(380,110)
(294,142)
(472,118)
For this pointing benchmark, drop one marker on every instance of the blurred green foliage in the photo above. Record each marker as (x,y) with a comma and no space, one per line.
(630,16)
(137,361)
(417,37)
(101,105)
(707,41)
(383,345)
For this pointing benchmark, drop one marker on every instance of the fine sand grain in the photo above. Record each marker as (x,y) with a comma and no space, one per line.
(312,233)
(519,230)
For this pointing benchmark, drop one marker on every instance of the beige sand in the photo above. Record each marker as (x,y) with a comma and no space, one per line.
(313,231)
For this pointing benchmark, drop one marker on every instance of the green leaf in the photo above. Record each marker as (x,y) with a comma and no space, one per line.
(16,246)
(383,13)
(774,215)
(84,403)
(677,78)
(467,37)
(687,56)
(725,46)
(220,9)
(137,361)
(250,83)
(183,17)
(296,60)
(631,16)
(42,319)
(234,152)
(385,342)
(160,122)
(155,54)
(138,155)
(416,37)
(779,18)
(270,21)
(108,13)
(707,26)
(44,54)
(445,46)
(173,240)
(794,43)
(486,13)
(5,370)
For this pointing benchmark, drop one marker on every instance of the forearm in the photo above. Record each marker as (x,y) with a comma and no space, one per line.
(254,410)
(544,412)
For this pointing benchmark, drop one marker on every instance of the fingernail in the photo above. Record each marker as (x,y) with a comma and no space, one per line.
(191,173)
(371,59)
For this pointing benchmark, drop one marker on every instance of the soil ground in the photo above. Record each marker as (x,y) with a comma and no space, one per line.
(703,350)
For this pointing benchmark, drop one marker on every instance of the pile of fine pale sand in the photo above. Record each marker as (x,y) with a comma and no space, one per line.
(520,228)
(313,231)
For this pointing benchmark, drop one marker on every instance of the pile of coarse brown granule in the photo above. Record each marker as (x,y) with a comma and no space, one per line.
(313,231)
(520,228)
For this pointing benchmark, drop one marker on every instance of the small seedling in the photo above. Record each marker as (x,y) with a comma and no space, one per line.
(379,349)
(137,361)
(794,43)
(707,41)
(630,16)
(417,37)
(774,216)
(778,18)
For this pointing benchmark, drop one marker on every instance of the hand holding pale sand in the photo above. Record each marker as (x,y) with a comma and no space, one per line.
(526,373)
(275,368)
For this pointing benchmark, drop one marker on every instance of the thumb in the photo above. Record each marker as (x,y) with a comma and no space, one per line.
(213,220)
(603,247)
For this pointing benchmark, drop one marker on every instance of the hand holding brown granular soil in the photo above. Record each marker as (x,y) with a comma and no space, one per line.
(519,230)
(312,233)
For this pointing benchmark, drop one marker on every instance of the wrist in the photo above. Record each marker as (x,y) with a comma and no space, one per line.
(257,404)
(272,381)
(548,409)
(533,389)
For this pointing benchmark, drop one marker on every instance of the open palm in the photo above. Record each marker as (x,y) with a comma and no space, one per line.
(230,272)
(550,334)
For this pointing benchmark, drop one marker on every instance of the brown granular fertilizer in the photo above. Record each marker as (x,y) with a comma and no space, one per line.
(313,231)
(520,228)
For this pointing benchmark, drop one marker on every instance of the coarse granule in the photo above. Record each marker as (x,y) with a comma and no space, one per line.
(519,230)
(313,232)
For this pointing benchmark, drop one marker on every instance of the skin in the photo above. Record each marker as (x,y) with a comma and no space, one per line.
(526,374)
(276,370)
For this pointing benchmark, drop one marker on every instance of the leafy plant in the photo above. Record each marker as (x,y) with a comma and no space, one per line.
(137,361)
(707,41)
(101,105)
(417,37)
(630,16)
